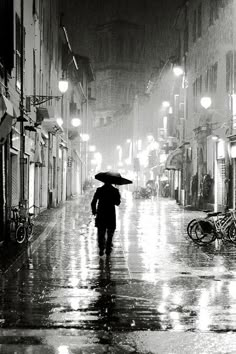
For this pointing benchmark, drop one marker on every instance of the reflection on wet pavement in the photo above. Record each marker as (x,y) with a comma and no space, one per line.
(155,279)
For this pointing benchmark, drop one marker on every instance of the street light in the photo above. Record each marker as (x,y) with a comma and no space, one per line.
(84,137)
(166,104)
(206,102)
(63,85)
(60,121)
(92,148)
(178,71)
(76,122)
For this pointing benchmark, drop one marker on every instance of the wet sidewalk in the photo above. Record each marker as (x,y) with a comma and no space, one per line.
(157,292)
(13,255)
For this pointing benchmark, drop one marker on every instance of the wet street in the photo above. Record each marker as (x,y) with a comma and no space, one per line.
(158,292)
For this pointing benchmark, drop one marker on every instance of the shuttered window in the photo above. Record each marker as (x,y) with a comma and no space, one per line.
(220,181)
(14,181)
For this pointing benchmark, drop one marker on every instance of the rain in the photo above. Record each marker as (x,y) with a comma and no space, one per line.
(117,176)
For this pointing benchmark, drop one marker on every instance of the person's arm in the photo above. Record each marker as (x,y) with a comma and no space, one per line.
(117,197)
(94,203)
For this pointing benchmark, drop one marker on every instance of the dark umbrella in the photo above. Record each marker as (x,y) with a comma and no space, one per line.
(112,178)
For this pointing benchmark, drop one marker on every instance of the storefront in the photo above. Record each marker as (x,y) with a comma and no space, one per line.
(232,152)
(220,176)
(7,120)
(174,163)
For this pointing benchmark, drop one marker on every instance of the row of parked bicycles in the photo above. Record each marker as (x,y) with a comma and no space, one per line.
(216,225)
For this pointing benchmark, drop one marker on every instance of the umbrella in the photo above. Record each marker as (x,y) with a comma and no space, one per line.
(112,178)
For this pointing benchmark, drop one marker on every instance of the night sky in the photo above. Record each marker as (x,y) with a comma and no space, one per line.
(157,17)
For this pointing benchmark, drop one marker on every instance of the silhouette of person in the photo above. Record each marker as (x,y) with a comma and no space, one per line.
(103,207)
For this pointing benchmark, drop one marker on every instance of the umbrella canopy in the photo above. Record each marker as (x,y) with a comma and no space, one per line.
(112,178)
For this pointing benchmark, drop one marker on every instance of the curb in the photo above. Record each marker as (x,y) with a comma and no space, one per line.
(32,246)
(36,239)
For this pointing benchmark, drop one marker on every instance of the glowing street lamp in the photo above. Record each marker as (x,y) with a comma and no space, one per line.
(206,102)
(76,122)
(92,148)
(178,71)
(63,85)
(84,137)
(60,121)
(166,104)
(150,138)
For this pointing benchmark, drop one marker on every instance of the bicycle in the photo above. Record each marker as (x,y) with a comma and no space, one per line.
(142,193)
(193,221)
(28,220)
(215,225)
(21,225)
(17,228)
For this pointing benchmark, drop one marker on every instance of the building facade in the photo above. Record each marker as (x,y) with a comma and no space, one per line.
(40,161)
(204,105)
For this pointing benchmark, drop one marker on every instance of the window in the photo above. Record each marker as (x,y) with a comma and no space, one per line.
(197,92)
(194,26)
(186,39)
(18,52)
(54,173)
(230,70)
(214,11)
(35,8)
(213,78)
(197,23)
(34,71)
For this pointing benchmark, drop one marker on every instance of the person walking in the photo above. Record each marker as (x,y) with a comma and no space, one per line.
(103,207)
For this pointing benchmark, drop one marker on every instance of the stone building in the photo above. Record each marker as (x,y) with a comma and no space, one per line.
(207,50)
(40,152)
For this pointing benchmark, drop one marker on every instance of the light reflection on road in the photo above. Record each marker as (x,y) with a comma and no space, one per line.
(156,278)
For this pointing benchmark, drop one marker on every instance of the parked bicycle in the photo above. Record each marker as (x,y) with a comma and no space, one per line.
(216,225)
(142,193)
(21,225)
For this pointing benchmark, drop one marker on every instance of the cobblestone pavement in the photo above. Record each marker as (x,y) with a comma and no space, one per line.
(157,293)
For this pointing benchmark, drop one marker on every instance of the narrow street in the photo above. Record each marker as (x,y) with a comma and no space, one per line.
(155,282)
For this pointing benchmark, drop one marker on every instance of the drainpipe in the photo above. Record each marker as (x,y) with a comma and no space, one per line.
(4,168)
(22,137)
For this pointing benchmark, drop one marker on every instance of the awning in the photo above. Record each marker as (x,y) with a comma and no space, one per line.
(51,125)
(7,116)
(174,160)
(38,147)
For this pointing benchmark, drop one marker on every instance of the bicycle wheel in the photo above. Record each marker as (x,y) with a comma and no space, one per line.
(191,230)
(203,238)
(232,233)
(20,234)
(190,225)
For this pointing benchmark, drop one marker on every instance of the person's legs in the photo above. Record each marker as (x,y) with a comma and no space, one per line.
(101,239)
(110,233)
